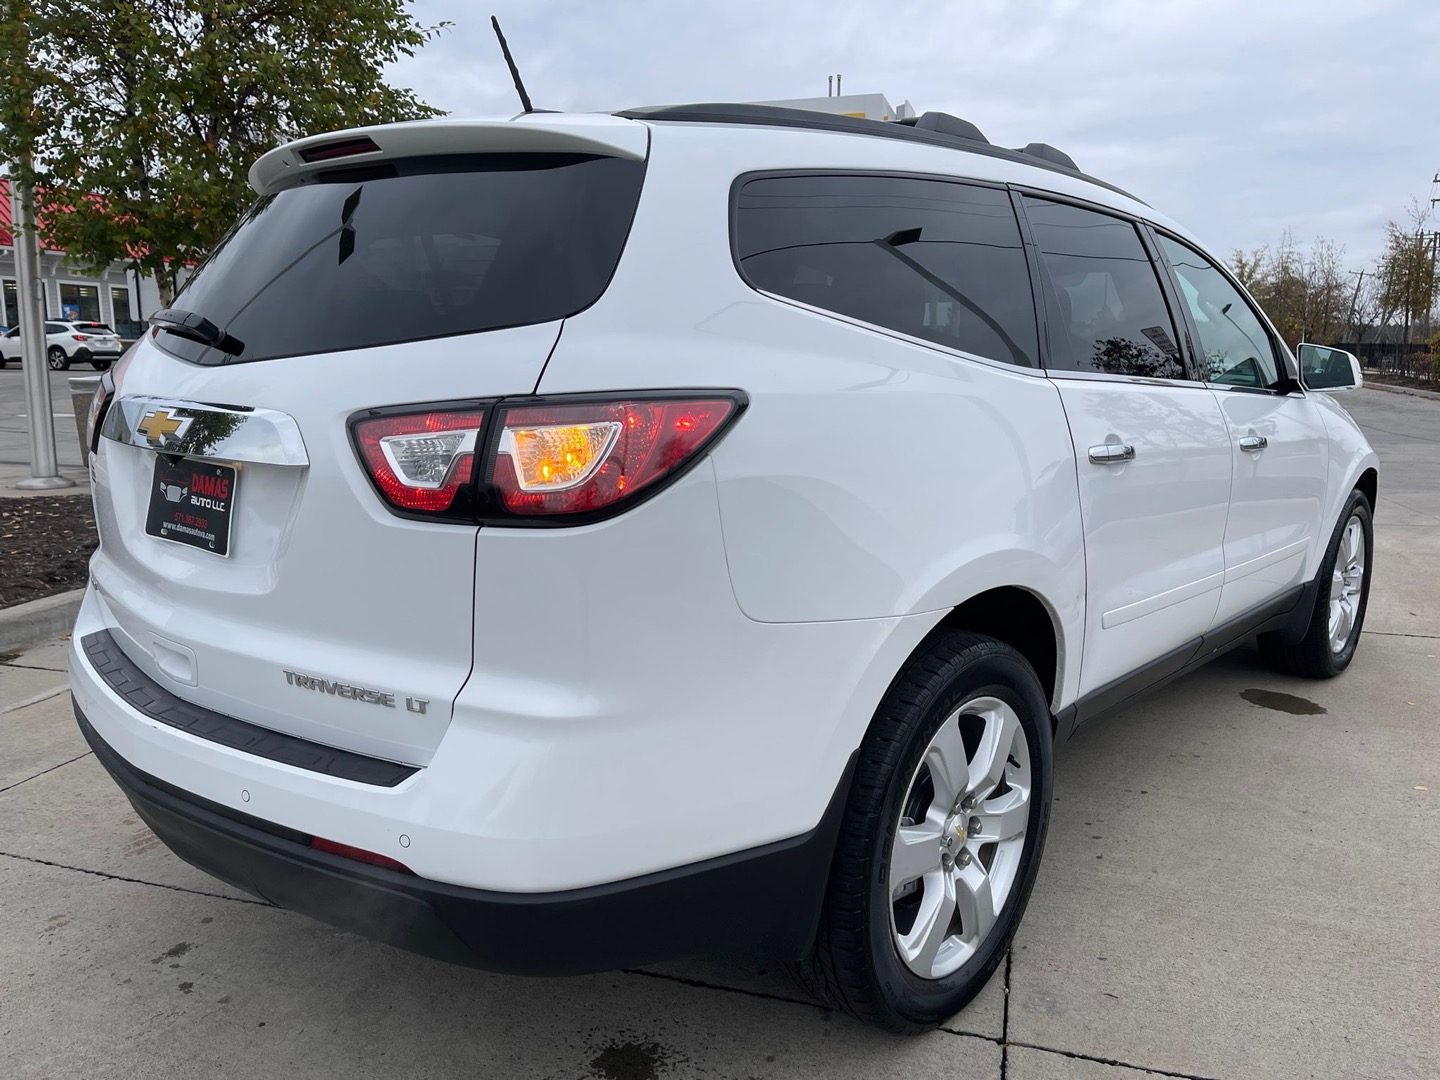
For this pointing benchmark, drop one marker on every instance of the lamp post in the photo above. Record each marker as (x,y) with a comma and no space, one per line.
(44,466)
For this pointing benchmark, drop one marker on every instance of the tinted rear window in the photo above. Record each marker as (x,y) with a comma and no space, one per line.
(934,259)
(414,249)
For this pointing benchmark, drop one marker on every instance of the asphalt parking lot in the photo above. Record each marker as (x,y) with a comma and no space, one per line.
(1242,880)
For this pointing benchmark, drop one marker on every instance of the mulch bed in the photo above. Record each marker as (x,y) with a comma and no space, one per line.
(45,546)
(1400,380)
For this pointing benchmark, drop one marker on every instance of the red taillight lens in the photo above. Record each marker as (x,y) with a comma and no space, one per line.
(420,461)
(78,337)
(563,459)
(358,854)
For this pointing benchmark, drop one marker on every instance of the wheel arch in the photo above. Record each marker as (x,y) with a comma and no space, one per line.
(1368,483)
(1021,619)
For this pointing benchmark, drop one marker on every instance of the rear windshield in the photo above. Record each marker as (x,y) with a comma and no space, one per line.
(94,327)
(415,249)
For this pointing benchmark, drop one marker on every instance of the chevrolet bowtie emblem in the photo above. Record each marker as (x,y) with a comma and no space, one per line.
(162,429)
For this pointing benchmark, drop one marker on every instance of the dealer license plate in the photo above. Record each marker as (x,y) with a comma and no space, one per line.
(192,502)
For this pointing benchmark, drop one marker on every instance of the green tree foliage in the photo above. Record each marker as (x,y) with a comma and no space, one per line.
(1405,276)
(145,115)
(1304,291)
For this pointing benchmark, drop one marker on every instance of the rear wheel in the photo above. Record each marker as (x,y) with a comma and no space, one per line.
(56,358)
(1334,629)
(99,365)
(942,837)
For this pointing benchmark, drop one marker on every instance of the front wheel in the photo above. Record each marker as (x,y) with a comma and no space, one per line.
(941,840)
(1339,613)
(56,358)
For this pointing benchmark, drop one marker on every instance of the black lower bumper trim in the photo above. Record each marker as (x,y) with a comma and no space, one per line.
(766,900)
(147,696)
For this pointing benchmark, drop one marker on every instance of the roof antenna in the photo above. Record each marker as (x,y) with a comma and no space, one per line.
(514,71)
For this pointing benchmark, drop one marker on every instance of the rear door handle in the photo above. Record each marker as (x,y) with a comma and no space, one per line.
(1253,443)
(1112,453)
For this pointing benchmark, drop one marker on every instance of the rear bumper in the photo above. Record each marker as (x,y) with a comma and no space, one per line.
(766,900)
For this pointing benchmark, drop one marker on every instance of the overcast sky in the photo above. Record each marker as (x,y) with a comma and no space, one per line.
(1238,118)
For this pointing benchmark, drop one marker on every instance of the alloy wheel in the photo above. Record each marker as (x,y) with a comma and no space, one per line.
(956,851)
(1346,583)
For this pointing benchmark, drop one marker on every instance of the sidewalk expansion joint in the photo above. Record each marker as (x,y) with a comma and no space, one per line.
(1393,633)
(1005,1018)
(701,984)
(1111,1062)
(42,772)
(134,881)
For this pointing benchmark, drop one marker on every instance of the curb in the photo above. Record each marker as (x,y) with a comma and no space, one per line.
(1431,394)
(38,621)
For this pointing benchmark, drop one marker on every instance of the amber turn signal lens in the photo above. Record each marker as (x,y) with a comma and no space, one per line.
(560,456)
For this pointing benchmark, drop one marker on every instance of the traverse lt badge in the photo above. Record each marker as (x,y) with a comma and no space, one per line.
(352,692)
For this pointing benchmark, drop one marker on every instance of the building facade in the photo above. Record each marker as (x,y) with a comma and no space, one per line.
(114,295)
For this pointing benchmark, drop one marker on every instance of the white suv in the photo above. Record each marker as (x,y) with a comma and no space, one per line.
(573,541)
(67,343)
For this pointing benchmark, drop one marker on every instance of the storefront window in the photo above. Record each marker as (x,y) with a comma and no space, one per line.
(123,323)
(9,305)
(79,303)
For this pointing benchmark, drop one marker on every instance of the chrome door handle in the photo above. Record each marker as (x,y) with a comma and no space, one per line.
(1253,442)
(1112,453)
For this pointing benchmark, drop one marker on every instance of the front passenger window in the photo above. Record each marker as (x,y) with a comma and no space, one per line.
(1235,344)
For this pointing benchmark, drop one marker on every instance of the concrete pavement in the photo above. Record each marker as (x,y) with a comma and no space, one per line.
(15,430)
(1242,880)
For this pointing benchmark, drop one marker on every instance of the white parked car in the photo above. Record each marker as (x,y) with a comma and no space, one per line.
(67,343)
(574,541)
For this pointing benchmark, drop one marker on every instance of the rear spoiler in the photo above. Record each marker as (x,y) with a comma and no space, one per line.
(575,133)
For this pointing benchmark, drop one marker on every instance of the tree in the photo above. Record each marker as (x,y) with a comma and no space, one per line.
(1303,290)
(145,115)
(1406,272)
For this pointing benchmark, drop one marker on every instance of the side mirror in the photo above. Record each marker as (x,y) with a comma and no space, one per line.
(1329,370)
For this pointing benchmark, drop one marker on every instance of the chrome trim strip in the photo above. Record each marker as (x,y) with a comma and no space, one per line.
(259,436)
(1159,602)
(1264,562)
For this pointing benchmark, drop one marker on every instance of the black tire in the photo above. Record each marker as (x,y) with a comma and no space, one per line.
(100,365)
(855,964)
(56,358)
(1312,657)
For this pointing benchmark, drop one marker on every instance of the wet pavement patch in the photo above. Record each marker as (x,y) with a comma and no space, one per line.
(1286,703)
(175,950)
(629,1061)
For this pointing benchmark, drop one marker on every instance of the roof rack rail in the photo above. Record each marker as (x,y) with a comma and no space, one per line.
(1046,152)
(946,124)
(936,128)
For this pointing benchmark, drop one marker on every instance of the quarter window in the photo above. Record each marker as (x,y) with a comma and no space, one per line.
(933,259)
(1238,350)
(1108,313)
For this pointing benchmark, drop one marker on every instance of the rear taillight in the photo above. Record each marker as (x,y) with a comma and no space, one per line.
(558,460)
(78,337)
(420,461)
(104,394)
(545,461)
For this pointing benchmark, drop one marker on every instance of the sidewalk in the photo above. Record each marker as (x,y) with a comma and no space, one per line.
(10,475)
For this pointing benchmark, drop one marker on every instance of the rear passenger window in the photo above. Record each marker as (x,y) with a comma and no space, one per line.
(1107,311)
(933,259)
